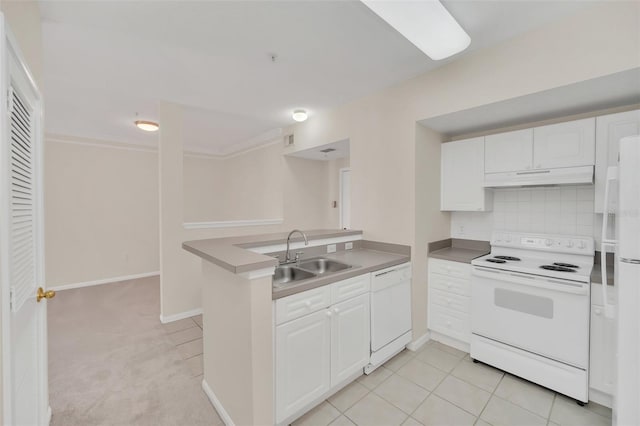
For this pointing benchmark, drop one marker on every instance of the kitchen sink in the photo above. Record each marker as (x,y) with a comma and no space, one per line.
(287,273)
(322,265)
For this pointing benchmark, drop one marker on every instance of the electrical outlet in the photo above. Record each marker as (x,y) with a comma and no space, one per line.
(348,246)
(331,248)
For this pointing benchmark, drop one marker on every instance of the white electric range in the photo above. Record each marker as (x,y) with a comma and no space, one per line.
(530,309)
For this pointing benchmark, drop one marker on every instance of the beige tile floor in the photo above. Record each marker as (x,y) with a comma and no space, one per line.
(439,385)
(186,334)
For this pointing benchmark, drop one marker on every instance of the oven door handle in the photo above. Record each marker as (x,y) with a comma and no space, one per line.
(553,284)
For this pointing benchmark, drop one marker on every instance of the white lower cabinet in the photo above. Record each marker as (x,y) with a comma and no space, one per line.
(319,351)
(349,338)
(303,351)
(450,299)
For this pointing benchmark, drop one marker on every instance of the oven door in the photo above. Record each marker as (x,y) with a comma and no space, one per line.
(546,316)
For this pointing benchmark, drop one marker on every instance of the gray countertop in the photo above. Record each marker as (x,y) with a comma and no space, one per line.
(363,260)
(458,250)
(232,253)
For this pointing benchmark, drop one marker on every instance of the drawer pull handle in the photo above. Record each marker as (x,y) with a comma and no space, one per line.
(308,303)
(598,311)
(328,313)
(336,310)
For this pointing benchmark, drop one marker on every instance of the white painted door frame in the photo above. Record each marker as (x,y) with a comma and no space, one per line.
(341,206)
(13,69)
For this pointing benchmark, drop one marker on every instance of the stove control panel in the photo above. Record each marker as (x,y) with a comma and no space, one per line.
(543,242)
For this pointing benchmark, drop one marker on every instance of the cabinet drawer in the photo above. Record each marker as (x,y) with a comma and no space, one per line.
(351,287)
(298,305)
(390,276)
(454,269)
(449,323)
(453,301)
(450,284)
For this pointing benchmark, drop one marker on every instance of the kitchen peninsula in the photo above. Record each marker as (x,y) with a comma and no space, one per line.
(239,310)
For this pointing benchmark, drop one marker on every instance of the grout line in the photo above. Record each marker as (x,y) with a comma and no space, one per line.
(493,393)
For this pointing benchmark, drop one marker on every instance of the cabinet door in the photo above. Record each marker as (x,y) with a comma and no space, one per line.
(602,351)
(302,362)
(609,130)
(462,176)
(349,337)
(565,144)
(508,152)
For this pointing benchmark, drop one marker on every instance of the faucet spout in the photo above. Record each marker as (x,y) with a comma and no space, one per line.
(287,257)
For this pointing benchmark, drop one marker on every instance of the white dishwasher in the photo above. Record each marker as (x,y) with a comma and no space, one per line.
(390,313)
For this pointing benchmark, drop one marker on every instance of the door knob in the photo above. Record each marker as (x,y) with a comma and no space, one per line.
(45,294)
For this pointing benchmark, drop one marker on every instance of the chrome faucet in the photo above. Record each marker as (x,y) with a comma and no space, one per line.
(287,256)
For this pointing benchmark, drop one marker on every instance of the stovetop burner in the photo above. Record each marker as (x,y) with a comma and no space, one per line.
(555,267)
(565,265)
(508,258)
(496,260)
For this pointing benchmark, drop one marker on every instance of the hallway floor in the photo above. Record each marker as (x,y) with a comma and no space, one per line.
(111,361)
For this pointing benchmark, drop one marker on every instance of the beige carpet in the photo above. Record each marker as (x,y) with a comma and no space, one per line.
(112,363)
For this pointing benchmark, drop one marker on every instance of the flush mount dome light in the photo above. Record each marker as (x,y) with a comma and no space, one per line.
(425,23)
(299,115)
(147,126)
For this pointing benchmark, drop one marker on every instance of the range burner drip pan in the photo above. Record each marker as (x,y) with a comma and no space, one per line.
(557,268)
(508,258)
(496,260)
(566,265)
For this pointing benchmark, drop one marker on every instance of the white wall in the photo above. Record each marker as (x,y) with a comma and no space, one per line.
(101,212)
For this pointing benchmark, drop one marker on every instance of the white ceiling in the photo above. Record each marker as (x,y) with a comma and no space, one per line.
(106,60)
(614,90)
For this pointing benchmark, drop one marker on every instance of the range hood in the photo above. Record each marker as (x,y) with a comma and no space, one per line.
(540,177)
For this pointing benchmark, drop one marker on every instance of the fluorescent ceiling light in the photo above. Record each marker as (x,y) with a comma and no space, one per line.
(425,23)
(299,115)
(147,126)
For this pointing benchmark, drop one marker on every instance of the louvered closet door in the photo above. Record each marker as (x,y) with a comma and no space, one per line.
(22,254)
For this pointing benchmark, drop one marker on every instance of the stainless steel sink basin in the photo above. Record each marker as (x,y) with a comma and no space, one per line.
(287,273)
(322,266)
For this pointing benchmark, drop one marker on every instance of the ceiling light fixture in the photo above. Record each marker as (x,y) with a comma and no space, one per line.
(147,126)
(426,24)
(299,115)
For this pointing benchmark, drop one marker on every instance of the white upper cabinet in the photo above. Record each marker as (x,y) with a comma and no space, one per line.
(609,130)
(508,152)
(566,144)
(462,176)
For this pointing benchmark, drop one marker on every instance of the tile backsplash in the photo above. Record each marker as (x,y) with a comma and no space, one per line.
(564,210)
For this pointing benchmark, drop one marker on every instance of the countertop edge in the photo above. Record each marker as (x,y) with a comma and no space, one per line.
(258,261)
(321,282)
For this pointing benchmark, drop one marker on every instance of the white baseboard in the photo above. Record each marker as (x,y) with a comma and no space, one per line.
(600,398)
(419,342)
(226,418)
(180,315)
(103,281)
(49,414)
(450,341)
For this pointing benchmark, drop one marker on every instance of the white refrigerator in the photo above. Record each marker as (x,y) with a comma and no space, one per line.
(623,186)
